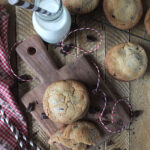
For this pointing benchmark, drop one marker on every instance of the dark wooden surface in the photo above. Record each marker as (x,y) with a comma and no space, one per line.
(137,138)
(45,69)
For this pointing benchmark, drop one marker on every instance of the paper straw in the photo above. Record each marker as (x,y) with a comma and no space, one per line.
(27,5)
(16,132)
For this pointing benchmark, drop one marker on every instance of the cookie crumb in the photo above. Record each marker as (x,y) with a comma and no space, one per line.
(30,107)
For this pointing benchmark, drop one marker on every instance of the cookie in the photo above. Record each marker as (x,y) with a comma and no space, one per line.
(77,135)
(66,101)
(81,6)
(126,61)
(147,22)
(123,14)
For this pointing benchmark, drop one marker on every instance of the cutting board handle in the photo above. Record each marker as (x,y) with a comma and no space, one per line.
(34,53)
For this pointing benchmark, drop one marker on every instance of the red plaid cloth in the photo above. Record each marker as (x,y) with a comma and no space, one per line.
(7,101)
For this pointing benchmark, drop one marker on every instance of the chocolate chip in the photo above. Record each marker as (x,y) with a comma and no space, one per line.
(110,142)
(43,116)
(91,38)
(137,113)
(74,26)
(88,146)
(113,16)
(31,107)
(63,52)
(66,49)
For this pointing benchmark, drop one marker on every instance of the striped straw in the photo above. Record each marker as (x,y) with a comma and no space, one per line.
(16,132)
(29,6)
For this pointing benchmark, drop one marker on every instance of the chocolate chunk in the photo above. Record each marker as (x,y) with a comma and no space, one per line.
(66,49)
(43,116)
(137,113)
(30,107)
(74,26)
(113,16)
(110,142)
(91,38)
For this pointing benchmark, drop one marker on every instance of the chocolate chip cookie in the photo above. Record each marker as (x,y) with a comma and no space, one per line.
(123,14)
(126,61)
(77,135)
(66,101)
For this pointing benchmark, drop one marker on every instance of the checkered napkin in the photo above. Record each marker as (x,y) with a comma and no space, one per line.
(7,101)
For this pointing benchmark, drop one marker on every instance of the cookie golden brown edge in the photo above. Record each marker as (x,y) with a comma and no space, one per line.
(126,61)
(77,135)
(123,14)
(81,6)
(66,101)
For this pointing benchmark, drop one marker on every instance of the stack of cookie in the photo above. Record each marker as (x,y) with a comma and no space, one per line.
(66,102)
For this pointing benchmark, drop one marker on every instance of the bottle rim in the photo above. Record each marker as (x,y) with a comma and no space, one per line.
(53,16)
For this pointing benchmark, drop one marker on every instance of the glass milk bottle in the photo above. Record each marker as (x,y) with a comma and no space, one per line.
(54,27)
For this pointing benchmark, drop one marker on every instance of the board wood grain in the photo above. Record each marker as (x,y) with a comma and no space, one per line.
(34,53)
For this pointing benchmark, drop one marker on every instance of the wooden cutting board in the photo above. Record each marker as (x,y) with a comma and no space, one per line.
(34,53)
